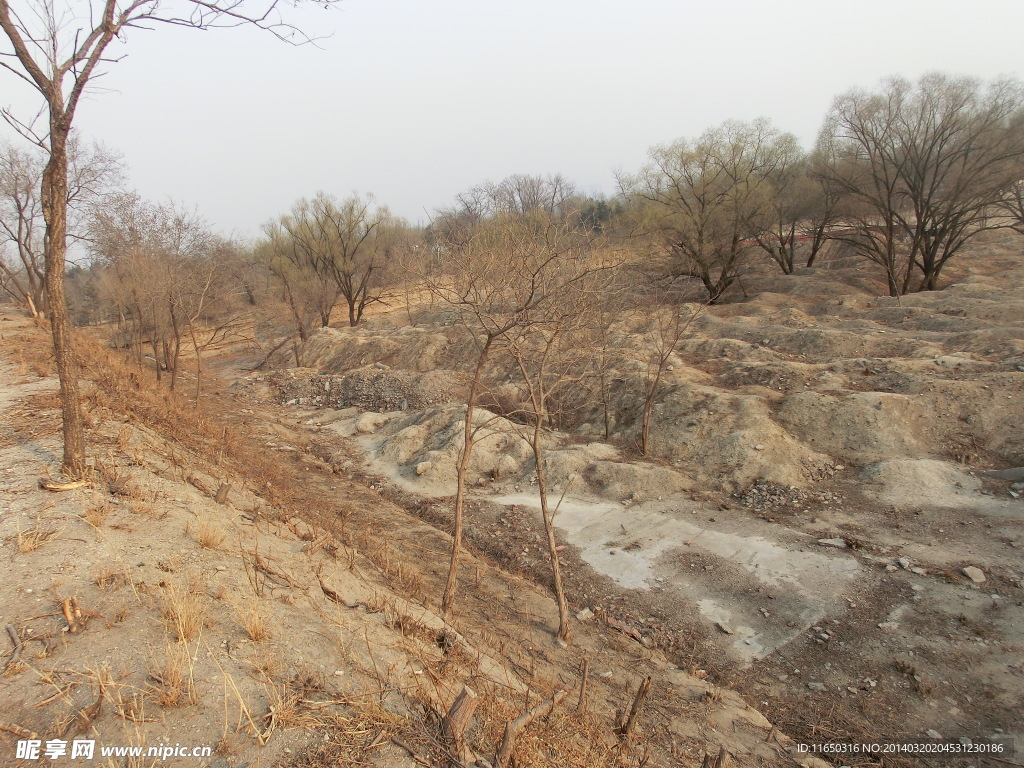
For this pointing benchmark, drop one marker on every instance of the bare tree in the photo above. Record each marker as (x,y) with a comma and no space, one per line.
(799,212)
(93,171)
(20,217)
(519,194)
(519,282)
(492,278)
(57,51)
(921,167)
(166,279)
(667,326)
(789,194)
(707,199)
(1012,203)
(344,244)
(550,356)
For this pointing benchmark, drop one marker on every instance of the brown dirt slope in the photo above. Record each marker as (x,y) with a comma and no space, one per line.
(290,624)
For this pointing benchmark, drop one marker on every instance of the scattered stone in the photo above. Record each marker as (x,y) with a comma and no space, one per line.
(724,628)
(369,422)
(1015,474)
(816,686)
(758,447)
(931,733)
(423,467)
(837,543)
(891,568)
(974,574)
(919,571)
(904,563)
(585,615)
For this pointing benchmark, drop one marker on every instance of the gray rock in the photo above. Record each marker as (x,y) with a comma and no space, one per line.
(931,733)
(369,422)
(904,563)
(919,571)
(585,615)
(974,574)
(816,686)
(724,628)
(423,467)
(1014,474)
(837,543)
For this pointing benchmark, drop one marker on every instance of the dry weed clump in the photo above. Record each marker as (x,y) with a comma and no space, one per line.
(252,619)
(172,681)
(32,539)
(109,576)
(210,535)
(96,515)
(184,608)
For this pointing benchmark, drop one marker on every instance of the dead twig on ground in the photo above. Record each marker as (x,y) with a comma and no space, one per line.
(18,646)
(514,728)
(17,730)
(54,486)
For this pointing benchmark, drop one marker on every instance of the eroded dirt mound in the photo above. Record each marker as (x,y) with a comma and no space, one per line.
(222,589)
(814,502)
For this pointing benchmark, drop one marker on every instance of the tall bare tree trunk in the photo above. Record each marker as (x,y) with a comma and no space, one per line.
(55,208)
(564,628)
(451,585)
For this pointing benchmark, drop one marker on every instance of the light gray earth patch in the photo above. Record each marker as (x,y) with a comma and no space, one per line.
(775,588)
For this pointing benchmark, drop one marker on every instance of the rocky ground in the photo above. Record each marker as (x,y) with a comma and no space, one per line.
(819,526)
(214,583)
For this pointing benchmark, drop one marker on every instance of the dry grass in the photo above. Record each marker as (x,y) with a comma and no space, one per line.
(252,619)
(185,611)
(124,437)
(108,576)
(171,681)
(266,663)
(33,538)
(96,515)
(210,535)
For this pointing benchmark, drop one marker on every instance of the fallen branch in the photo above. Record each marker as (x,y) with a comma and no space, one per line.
(412,752)
(17,730)
(51,485)
(18,645)
(513,729)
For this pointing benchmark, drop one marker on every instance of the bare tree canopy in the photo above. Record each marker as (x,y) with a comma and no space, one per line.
(93,171)
(326,250)
(920,167)
(163,272)
(706,199)
(519,194)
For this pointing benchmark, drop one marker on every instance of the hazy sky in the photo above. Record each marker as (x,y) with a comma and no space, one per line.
(416,100)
